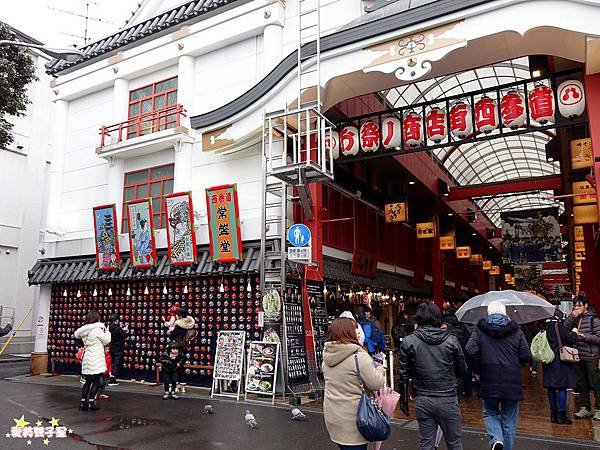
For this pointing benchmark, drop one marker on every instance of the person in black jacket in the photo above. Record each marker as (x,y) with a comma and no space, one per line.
(118,335)
(433,358)
(183,324)
(4,331)
(497,349)
(403,326)
(171,363)
(559,376)
(461,332)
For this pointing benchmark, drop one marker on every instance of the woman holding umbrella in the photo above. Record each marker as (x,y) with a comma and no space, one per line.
(559,375)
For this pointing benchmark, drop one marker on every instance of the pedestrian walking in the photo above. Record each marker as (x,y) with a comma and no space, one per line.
(171,363)
(402,327)
(93,364)
(586,325)
(497,349)
(118,335)
(433,358)
(559,375)
(341,353)
(374,337)
(461,332)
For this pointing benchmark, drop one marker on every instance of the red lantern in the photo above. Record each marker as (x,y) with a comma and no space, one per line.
(435,125)
(541,104)
(412,129)
(486,115)
(461,122)
(349,141)
(390,133)
(571,98)
(369,136)
(512,108)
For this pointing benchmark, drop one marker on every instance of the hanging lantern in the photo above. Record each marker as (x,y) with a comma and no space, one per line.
(512,108)
(185,289)
(435,125)
(78,293)
(369,136)
(146,291)
(65,293)
(412,129)
(571,98)
(165,290)
(95,293)
(390,133)
(349,141)
(332,143)
(461,122)
(541,104)
(109,291)
(486,115)
(128,291)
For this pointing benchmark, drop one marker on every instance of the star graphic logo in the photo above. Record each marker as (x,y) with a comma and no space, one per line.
(46,442)
(70,430)
(21,422)
(7,435)
(54,422)
(39,423)
(28,441)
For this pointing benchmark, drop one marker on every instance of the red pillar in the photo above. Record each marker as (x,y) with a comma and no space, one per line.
(589,276)
(437,272)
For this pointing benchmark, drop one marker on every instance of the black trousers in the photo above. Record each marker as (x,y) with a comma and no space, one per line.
(170,379)
(588,381)
(90,387)
(117,364)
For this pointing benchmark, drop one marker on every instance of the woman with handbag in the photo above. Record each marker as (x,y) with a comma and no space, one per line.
(559,375)
(93,363)
(349,371)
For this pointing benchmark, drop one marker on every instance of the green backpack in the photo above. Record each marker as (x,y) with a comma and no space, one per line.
(540,348)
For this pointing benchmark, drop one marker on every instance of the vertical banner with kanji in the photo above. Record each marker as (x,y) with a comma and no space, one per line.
(141,234)
(181,235)
(224,223)
(108,256)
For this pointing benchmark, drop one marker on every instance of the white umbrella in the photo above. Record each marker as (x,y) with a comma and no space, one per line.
(522,307)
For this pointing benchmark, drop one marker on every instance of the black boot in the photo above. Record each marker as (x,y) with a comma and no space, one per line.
(562,419)
(92,406)
(553,416)
(83,406)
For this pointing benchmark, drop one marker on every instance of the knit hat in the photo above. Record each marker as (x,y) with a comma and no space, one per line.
(496,308)
(347,315)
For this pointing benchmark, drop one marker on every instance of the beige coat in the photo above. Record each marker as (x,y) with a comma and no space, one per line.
(342,389)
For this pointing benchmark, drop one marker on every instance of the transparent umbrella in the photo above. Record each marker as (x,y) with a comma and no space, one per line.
(522,307)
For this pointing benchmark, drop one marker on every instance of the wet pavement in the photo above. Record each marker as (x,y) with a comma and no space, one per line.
(144,421)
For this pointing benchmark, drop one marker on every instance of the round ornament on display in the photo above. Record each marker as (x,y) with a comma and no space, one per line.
(349,141)
(390,133)
(435,125)
(486,115)
(541,104)
(412,129)
(512,108)
(461,121)
(571,98)
(369,136)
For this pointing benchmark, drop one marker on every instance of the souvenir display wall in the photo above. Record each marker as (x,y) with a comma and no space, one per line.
(215,303)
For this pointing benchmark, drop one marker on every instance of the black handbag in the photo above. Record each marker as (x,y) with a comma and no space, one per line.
(372,423)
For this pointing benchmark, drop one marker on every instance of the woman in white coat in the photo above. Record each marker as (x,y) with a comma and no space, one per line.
(94,336)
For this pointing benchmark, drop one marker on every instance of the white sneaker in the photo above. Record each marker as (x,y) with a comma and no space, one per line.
(498,445)
(597,415)
(584,413)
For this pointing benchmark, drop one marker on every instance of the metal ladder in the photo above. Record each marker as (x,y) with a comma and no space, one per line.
(309,31)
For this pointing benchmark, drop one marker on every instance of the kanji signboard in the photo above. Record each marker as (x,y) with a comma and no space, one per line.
(495,270)
(224,223)
(487,265)
(463,252)
(476,259)
(425,230)
(581,153)
(578,232)
(396,212)
(447,243)
(364,264)
(584,193)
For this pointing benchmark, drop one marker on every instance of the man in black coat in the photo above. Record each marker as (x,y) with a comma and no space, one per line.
(118,335)
(497,349)
(586,324)
(433,358)
(4,331)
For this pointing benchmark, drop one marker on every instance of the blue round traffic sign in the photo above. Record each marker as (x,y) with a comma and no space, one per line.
(299,235)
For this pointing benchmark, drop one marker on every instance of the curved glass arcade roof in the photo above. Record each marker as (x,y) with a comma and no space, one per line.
(499,159)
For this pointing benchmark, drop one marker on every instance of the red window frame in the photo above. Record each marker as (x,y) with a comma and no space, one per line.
(159,213)
(147,124)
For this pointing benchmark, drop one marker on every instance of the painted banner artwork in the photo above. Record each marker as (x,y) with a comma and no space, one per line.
(141,234)
(108,256)
(181,236)
(224,223)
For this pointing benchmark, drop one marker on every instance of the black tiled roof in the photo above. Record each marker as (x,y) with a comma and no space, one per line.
(141,30)
(84,269)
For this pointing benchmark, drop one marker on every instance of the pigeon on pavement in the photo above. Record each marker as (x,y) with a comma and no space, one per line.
(250,419)
(297,414)
(208,409)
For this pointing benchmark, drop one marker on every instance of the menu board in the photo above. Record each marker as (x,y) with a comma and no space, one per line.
(320,321)
(229,356)
(261,374)
(297,362)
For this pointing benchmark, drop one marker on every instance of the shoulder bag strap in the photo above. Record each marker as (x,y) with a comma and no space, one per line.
(360,380)
(558,335)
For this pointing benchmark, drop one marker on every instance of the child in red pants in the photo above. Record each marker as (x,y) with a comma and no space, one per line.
(106,375)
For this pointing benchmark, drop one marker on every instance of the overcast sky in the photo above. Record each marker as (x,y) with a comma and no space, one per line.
(40,20)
